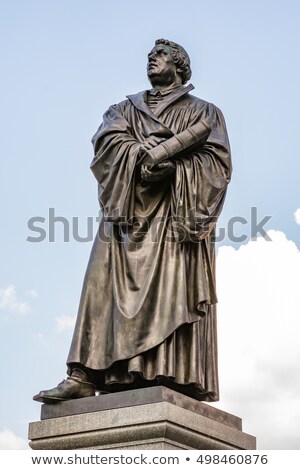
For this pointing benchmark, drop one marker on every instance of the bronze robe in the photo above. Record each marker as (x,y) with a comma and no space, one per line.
(147,311)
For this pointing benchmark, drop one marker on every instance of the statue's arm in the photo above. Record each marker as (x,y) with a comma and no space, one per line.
(184,141)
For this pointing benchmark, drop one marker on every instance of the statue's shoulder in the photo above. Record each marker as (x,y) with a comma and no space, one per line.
(118,106)
(200,104)
(123,104)
(117,109)
(136,98)
(193,100)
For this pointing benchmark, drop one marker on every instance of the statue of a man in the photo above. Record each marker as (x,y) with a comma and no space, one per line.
(147,312)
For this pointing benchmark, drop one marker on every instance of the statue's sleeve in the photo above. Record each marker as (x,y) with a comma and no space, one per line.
(116,152)
(201,181)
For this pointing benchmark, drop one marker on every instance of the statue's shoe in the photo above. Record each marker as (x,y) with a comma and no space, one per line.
(68,389)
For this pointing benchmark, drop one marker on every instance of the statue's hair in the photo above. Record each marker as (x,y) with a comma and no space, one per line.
(180,57)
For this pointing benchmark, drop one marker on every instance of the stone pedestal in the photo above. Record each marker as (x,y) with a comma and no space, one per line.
(149,418)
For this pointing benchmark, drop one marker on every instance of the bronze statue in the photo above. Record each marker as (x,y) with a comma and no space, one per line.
(147,314)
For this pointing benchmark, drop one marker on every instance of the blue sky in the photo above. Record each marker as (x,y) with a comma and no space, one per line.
(62,64)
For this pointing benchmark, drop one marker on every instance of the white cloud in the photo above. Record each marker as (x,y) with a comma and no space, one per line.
(259,348)
(297,216)
(65,322)
(9,300)
(9,441)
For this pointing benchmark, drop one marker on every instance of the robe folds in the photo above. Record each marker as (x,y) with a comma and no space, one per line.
(147,313)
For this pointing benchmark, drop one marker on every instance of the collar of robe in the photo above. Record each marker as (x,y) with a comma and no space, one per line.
(139,100)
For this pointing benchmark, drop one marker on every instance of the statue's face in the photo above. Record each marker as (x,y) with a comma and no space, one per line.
(161,68)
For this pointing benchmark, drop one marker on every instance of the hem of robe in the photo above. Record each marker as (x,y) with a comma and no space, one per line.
(185,362)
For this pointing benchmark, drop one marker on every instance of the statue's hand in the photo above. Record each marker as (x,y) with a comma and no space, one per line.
(148,144)
(160,172)
(152,141)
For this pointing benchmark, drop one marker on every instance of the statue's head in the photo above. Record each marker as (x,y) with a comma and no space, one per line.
(180,57)
(175,57)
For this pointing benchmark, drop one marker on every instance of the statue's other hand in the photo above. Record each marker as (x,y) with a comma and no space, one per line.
(159,172)
(148,144)
(152,141)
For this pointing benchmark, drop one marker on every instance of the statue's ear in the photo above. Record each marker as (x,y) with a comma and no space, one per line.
(179,73)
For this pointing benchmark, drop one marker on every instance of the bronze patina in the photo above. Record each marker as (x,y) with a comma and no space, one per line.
(147,314)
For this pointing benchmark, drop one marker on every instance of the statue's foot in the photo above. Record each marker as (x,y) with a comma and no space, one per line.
(68,389)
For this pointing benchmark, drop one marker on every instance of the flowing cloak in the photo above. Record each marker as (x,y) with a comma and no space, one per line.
(147,312)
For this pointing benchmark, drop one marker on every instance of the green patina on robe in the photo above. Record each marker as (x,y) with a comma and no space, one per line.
(147,312)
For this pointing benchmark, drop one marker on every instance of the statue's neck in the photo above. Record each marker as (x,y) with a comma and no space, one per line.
(176,83)
(168,89)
